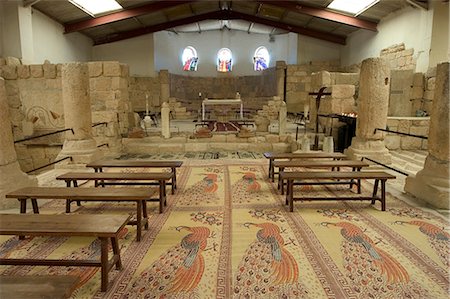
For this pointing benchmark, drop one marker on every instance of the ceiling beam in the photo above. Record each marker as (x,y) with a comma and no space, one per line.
(122,15)
(27,3)
(323,14)
(338,39)
(220,15)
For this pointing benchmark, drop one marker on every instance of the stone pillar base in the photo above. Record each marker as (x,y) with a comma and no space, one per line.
(373,149)
(81,151)
(431,184)
(13,178)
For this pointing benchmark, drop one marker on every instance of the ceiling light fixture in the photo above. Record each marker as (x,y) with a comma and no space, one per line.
(354,7)
(96,7)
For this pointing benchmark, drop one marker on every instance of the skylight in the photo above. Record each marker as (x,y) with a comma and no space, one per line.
(354,7)
(95,7)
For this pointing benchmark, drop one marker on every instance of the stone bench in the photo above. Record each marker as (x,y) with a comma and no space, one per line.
(103,227)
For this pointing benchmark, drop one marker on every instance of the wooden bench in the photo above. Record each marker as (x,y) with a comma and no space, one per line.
(310,155)
(378,176)
(37,286)
(356,165)
(72,178)
(138,195)
(173,165)
(103,227)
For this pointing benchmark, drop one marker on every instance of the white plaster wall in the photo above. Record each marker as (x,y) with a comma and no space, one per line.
(169,47)
(136,52)
(411,26)
(2,25)
(10,29)
(50,42)
(439,49)
(313,49)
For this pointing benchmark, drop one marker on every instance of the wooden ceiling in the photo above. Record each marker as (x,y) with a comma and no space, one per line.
(307,17)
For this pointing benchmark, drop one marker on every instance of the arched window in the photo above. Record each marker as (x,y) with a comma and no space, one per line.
(224,58)
(261,59)
(190,59)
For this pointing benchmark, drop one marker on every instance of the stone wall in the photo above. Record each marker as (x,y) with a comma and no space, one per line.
(142,88)
(399,58)
(34,94)
(110,102)
(298,82)
(412,125)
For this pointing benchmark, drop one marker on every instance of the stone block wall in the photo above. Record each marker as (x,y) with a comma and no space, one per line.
(110,102)
(34,98)
(299,82)
(399,58)
(34,94)
(412,125)
(251,88)
(143,88)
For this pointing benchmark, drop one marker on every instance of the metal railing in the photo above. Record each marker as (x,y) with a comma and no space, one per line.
(99,124)
(46,165)
(46,134)
(400,133)
(384,165)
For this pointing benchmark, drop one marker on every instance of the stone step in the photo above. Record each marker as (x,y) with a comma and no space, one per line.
(409,157)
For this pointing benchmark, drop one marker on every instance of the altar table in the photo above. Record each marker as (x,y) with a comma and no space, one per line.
(222,102)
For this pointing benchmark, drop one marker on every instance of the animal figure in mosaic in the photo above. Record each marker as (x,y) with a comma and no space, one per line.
(204,191)
(268,269)
(247,189)
(372,271)
(438,238)
(176,273)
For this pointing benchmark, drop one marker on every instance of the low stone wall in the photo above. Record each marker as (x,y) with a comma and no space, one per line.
(218,142)
(412,125)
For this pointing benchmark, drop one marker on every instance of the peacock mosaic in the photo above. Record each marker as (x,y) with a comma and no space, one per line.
(227,234)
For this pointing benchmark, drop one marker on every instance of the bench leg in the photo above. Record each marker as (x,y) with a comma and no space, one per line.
(164,192)
(104,263)
(116,252)
(161,196)
(144,213)
(270,168)
(375,191)
(139,220)
(35,205)
(383,195)
(68,205)
(174,180)
(23,205)
(75,184)
(359,186)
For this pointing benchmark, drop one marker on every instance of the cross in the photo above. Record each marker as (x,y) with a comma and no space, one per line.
(319,96)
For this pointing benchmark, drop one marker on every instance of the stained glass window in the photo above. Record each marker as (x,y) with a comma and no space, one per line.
(190,59)
(261,59)
(224,60)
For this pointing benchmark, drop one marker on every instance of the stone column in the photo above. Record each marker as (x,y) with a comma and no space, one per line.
(432,183)
(372,112)
(280,75)
(77,115)
(165,120)
(165,87)
(282,118)
(11,176)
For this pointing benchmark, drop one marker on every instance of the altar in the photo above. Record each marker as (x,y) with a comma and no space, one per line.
(222,102)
